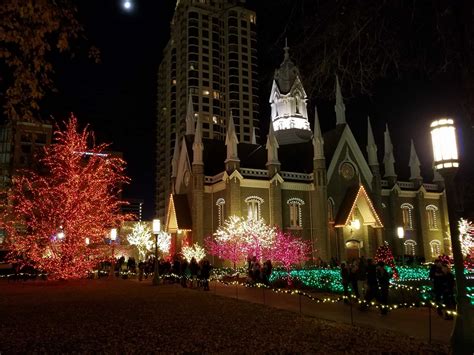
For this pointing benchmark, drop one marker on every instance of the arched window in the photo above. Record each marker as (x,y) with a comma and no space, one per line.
(407,212)
(435,248)
(431,216)
(410,247)
(220,203)
(253,207)
(330,210)
(295,204)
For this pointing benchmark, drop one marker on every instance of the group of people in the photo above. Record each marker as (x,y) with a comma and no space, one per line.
(367,280)
(443,286)
(259,273)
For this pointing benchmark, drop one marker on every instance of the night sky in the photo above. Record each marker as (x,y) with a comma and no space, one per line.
(118,96)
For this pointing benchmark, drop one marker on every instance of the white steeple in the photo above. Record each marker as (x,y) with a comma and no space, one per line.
(254,137)
(339,107)
(389,160)
(174,160)
(198,147)
(190,117)
(371,146)
(414,163)
(272,147)
(318,141)
(288,104)
(231,140)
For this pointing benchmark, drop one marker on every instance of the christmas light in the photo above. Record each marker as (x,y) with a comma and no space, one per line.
(141,237)
(384,254)
(195,251)
(72,196)
(289,250)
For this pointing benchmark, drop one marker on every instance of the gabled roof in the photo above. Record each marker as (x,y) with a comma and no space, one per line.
(179,215)
(356,196)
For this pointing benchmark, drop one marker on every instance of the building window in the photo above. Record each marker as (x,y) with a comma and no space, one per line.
(431,212)
(435,248)
(296,220)
(331,210)
(253,207)
(220,203)
(407,216)
(410,247)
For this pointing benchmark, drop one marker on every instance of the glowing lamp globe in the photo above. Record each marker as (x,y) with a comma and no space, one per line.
(400,232)
(156,226)
(113,234)
(355,224)
(445,150)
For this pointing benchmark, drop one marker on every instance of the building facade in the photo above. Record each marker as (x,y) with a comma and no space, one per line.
(209,69)
(323,187)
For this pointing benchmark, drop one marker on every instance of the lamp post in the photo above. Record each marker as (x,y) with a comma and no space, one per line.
(113,237)
(401,235)
(443,137)
(156,230)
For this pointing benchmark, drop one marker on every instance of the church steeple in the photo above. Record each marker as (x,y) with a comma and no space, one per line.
(174,160)
(318,141)
(389,159)
(371,146)
(231,141)
(190,117)
(414,164)
(272,147)
(198,147)
(340,108)
(254,136)
(288,103)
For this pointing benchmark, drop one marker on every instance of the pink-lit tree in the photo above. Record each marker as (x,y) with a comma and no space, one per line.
(231,249)
(289,250)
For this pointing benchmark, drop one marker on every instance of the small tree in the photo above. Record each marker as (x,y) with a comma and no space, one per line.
(289,250)
(258,237)
(59,216)
(384,253)
(141,238)
(195,251)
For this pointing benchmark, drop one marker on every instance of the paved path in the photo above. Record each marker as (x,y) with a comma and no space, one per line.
(413,322)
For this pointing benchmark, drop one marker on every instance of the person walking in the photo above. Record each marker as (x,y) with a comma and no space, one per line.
(383,278)
(205,274)
(345,279)
(371,291)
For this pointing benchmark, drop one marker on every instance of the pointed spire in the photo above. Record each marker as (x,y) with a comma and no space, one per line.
(414,163)
(371,146)
(286,49)
(272,146)
(388,159)
(318,141)
(175,159)
(231,140)
(254,136)
(190,116)
(198,147)
(339,107)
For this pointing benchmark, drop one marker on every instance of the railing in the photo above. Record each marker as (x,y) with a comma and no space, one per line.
(213,179)
(253,172)
(296,176)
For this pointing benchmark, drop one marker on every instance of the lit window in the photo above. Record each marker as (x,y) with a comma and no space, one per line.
(205,92)
(253,19)
(216,94)
(295,212)
(253,207)
(410,247)
(431,216)
(214,119)
(220,203)
(435,248)
(407,219)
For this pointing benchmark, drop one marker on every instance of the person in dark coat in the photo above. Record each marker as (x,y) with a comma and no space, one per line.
(266,272)
(345,279)
(354,272)
(436,276)
(383,278)
(372,284)
(205,274)
(448,284)
(193,268)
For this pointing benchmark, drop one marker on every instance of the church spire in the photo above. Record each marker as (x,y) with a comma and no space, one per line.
(190,117)
(272,147)
(318,141)
(174,160)
(389,160)
(339,107)
(231,140)
(371,146)
(414,164)
(254,136)
(197,144)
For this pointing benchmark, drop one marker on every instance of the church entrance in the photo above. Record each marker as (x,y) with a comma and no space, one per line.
(353,247)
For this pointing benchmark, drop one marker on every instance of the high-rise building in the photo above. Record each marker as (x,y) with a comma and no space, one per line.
(209,68)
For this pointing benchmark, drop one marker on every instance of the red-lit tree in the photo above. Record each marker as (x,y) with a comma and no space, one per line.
(58,216)
(384,253)
(289,250)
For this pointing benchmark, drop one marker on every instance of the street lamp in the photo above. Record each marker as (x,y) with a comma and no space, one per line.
(401,235)
(446,161)
(113,237)
(156,230)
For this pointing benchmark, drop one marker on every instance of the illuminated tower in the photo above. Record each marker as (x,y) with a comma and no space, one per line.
(212,57)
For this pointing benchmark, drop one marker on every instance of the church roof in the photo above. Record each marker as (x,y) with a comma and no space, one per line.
(180,207)
(331,140)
